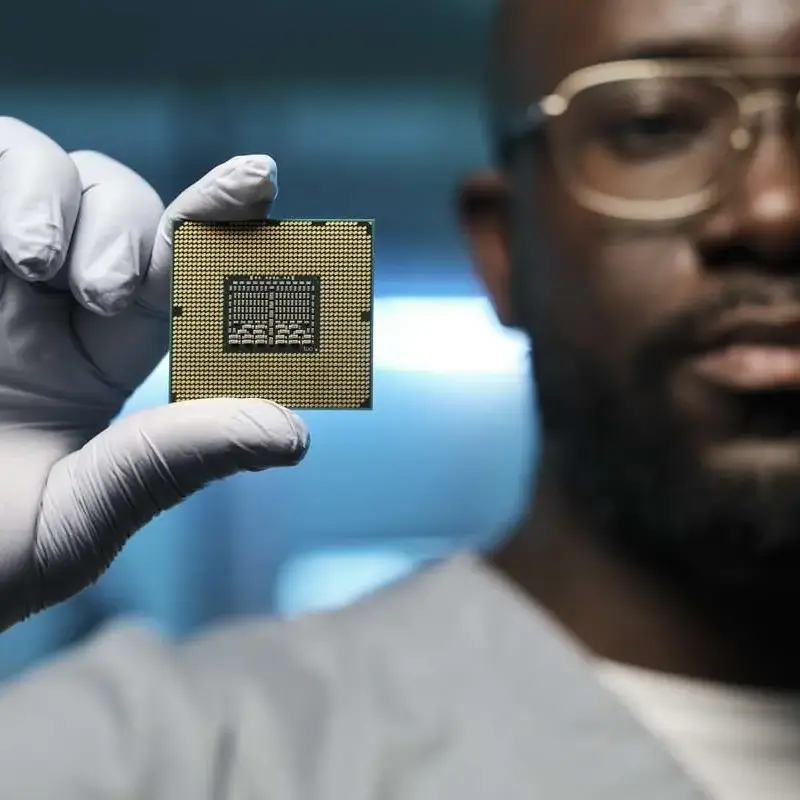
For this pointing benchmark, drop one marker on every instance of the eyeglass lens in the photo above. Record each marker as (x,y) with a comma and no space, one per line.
(652,138)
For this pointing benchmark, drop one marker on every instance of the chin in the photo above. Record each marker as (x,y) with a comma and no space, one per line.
(737,517)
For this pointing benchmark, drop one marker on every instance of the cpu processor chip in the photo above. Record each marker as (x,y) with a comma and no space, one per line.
(276,309)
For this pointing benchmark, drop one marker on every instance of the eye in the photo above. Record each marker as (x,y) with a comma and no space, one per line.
(651,135)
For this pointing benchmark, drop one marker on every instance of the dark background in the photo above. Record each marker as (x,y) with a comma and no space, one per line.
(372,111)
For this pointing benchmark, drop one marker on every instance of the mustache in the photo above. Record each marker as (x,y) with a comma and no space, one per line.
(694,328)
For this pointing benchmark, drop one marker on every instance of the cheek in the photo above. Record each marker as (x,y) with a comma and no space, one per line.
(602,291)
(636,284)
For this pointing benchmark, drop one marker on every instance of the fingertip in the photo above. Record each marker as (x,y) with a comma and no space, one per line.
(249,179)
(301,438)
(299,425)
(259,163)
(302,451)
(303,441)
(34,251)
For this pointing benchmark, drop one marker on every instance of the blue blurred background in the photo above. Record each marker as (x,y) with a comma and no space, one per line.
(371,110)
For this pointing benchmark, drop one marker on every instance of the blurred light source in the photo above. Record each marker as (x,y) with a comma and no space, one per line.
(333,578)
(445,335)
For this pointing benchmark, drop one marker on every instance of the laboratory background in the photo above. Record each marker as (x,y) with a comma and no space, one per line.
(371,110)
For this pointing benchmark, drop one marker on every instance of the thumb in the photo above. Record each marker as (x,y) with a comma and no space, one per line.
(97,497)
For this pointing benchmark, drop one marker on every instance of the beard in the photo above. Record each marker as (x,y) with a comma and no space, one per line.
(624,458)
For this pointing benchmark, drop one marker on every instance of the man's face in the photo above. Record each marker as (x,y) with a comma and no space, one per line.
(667,357)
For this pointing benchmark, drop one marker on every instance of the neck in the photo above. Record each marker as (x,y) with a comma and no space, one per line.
(622,611)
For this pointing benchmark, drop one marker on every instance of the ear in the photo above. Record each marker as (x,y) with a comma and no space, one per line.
(483,211)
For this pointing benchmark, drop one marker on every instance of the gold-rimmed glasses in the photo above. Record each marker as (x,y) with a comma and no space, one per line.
(657,140)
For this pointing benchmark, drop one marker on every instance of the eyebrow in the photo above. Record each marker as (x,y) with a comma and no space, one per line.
(671,49)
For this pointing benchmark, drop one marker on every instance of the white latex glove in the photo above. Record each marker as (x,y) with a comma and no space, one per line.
(86,252)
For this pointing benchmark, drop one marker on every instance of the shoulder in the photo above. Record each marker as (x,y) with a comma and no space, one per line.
(399,629)
(402,646)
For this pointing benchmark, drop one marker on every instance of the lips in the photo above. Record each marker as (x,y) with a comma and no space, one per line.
(752,350)
(751,367)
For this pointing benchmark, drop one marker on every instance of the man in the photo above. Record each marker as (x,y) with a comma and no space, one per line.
(634,637)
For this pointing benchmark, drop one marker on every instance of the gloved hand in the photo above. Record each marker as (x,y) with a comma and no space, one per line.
(86,252)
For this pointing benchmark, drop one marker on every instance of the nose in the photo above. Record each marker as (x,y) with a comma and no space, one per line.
(762,212)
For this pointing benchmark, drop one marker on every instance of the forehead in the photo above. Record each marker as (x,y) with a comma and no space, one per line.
(578,33)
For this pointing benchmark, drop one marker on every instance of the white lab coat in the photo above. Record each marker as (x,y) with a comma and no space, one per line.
(447,686)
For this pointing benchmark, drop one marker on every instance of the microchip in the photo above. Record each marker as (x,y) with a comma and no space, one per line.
(275,309)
